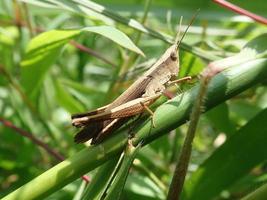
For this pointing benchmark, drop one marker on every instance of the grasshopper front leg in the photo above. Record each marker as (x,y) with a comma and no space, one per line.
(186,78)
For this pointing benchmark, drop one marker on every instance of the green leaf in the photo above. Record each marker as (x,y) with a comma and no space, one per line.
(44,49)
(259,194)
(190,65)
(78,195)
(116,188)
(141,187)
(66,100)
(216,115)
(258,44)
(231,161)
(8,35)
(90,8)
(100,180)
(254,49)
(41,53)
(242,111)
(116,36)
(39,3)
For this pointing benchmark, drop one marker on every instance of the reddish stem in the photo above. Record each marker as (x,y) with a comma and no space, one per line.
(241,11)
(91,52)
(36,141)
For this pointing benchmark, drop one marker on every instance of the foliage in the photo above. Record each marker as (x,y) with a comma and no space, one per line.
(60,57)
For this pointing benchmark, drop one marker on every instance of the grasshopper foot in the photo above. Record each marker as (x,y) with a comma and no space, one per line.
(153,121)
(150,112)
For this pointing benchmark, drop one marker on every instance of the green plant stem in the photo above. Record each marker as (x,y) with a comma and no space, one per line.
(65,172)
(180,172)
(37,142)
(92,52)
(167,117)
(27,19)
(258,194)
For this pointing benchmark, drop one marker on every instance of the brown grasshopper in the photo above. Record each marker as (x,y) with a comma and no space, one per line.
(99,123)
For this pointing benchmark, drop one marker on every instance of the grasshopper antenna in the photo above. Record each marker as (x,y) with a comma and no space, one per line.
(177,40)
(179,31)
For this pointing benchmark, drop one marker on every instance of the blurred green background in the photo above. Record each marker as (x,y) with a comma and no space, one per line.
(74,81)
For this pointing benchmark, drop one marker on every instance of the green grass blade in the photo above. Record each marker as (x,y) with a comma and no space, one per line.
(116,188)
(231,161)
(100,180)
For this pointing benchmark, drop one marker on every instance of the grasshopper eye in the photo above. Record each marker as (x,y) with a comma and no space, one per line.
(173,56)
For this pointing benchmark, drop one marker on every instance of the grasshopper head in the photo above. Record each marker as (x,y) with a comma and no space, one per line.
(174,55)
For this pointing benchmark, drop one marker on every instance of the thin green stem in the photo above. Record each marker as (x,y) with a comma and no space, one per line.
(113,176)
(28,19)
(185,154)
(100,180)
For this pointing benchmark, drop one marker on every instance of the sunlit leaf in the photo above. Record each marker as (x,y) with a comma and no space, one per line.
(44,49)
(41,53)
(116,36)
(259,45)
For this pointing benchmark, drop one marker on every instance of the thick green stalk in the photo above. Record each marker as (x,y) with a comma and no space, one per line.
(167,117)
(68,170)
(259,194)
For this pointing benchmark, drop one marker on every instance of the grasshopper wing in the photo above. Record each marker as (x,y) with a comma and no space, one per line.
(97,131)
(128,109)
(93,112)
(88,132)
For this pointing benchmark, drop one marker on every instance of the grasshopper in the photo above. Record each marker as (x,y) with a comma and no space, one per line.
(143,92)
